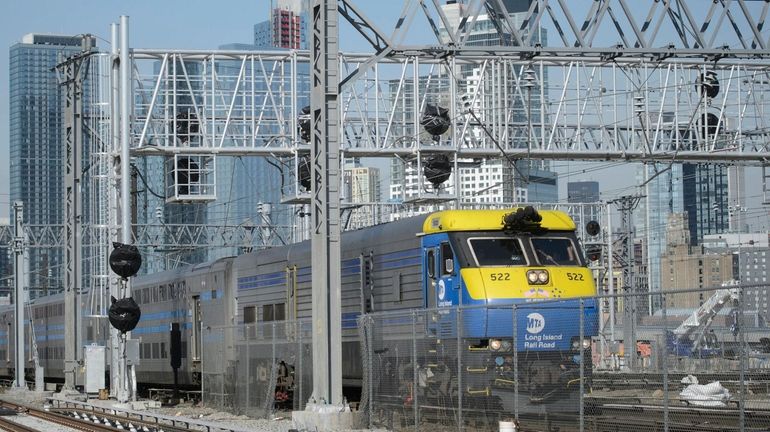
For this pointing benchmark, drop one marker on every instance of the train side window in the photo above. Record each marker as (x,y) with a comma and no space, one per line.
(431,263)
(267,313)
(162,350)
(249,314)
(155,350)
(447,259)
(249,318)
(279,312)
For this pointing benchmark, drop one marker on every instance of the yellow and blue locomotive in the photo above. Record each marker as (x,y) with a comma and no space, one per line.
(527,298)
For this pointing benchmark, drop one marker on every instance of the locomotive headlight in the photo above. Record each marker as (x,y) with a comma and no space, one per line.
(495,344)
(586,343)
(532,276)
(506,345)
(537,277)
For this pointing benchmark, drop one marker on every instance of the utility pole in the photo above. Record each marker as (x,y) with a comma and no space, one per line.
(72,77)
(20,283)
(325,203)
(124,389)
(625,258)
(115,283)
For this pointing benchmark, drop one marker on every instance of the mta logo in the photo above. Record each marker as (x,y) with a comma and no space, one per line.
(535,323)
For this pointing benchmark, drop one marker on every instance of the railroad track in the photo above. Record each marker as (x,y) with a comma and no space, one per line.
(12,426)
(141,421)
(600,416)
(63,420)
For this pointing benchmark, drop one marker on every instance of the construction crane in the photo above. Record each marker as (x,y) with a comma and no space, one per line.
(692,337)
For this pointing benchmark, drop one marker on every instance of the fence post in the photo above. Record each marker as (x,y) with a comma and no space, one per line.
(582,363)
(664,353)
(273,376)
(248,365)
(514,344)
(370,351)
(415,379)
(459,326)
(744,353)
(299,370)
(224,370)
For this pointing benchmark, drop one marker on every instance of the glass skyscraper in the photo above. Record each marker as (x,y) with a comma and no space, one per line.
(700,190)
(36,145)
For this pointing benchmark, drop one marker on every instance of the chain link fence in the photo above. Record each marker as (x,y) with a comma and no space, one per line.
(700,362)
(258,369)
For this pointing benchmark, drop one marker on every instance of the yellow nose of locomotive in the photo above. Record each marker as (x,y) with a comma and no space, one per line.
(490,283)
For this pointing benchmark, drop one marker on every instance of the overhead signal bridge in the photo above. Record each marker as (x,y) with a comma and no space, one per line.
(688,83)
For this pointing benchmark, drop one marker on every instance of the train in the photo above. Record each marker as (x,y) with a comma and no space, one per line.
(485,261)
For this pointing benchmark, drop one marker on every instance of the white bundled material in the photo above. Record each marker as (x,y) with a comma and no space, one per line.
(690,379)
(709,395)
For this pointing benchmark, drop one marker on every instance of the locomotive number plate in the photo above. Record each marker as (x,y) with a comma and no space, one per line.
(500,276)
(574,276)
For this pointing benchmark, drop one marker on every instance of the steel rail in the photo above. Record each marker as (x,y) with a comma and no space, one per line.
(12,426)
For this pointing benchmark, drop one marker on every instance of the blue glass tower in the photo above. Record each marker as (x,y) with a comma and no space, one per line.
(36,145)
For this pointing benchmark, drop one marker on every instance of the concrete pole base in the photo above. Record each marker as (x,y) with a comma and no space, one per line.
(72,395)
(327,418)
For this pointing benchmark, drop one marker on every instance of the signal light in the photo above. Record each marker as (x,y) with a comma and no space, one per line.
(594,252)
(593,228)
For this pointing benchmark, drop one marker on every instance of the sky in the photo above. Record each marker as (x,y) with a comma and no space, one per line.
(200,24)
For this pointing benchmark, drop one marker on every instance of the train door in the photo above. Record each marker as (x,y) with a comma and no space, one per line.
(447,295)
(439,272)
(430,277)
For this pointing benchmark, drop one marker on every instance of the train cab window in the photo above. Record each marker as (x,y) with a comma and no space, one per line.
(555,251)
(431,263)
(447,259)
(499,251)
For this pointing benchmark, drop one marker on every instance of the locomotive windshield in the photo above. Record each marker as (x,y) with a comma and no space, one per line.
(555,251)
(497,251)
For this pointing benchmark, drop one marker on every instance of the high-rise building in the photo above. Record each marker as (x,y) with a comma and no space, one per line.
(36,144)
(705,197)
(362,185)
(286,28)
(685,267)
(750,252)
(583,192)
(663,196)
(699,190)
